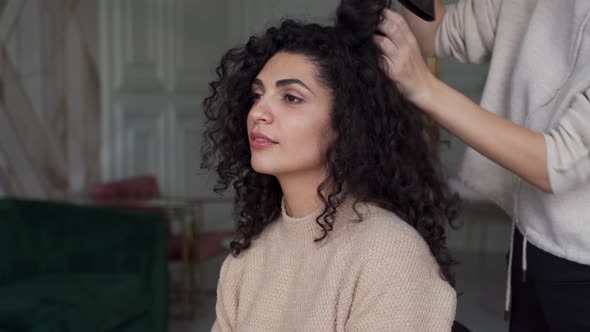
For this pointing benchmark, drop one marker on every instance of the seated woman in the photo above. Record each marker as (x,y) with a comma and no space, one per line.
(341,209)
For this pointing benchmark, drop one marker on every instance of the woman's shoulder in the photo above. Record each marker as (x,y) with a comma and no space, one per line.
(259,244)
(387,246)
(384,231)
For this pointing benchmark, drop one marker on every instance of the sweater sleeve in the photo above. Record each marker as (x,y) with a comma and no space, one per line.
(468,30)
(400,289)
(225,308)
(568,146)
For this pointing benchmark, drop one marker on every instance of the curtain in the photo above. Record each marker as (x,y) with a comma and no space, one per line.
(49,98)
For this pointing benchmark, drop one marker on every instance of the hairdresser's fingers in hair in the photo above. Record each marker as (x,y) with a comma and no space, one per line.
(386,65)
(386,26)
(408,36)
(387,47)
(402,60)
(391,60)
(389,52)
(402,38)
(392,27)
(397,51)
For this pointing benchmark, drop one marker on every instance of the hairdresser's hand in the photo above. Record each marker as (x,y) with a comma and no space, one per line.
(402,59)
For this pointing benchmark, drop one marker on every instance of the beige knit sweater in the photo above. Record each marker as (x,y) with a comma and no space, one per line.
(374,275)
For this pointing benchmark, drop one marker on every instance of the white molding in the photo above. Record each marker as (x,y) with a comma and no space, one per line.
(187,148)
(150,126)
(195,44)
(138,61)
(106,110)
(74,121)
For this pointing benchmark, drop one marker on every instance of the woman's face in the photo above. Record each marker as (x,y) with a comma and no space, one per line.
(289,122)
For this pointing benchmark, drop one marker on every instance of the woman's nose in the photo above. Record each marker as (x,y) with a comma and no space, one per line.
(261,111)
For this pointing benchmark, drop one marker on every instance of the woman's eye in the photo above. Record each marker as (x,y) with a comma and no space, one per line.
(256,96)
(292,99)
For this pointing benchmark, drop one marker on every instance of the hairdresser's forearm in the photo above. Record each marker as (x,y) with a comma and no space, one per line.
(425,32)
(516,148)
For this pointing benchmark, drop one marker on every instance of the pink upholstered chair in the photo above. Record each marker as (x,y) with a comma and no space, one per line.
(138,188)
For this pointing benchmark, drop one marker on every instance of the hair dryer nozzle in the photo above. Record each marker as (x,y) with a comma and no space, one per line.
(421,8)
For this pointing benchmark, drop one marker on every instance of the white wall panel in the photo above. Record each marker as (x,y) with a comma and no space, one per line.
(198,42)
(138,44)
(157,59)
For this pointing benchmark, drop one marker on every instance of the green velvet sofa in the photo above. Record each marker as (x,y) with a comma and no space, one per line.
(66,268)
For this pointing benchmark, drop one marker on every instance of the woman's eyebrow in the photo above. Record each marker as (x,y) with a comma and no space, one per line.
(290,81)
(258,82)
(283,82)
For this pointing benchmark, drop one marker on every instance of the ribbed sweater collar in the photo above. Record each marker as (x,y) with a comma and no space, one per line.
(307,225)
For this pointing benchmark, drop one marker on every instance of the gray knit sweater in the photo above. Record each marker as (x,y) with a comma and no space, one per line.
(539,53)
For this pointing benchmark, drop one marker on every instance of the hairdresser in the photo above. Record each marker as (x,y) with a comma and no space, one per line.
(529,140)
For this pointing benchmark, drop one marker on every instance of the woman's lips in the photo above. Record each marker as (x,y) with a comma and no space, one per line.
(261,141)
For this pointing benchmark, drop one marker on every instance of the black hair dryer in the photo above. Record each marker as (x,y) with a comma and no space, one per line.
(421,8)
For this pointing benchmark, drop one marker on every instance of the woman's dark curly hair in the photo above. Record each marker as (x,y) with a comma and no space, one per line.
(381,154)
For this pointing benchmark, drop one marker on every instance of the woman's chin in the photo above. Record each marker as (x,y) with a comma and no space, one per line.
(263,168)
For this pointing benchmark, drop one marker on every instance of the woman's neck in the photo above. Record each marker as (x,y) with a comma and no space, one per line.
(300,194)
